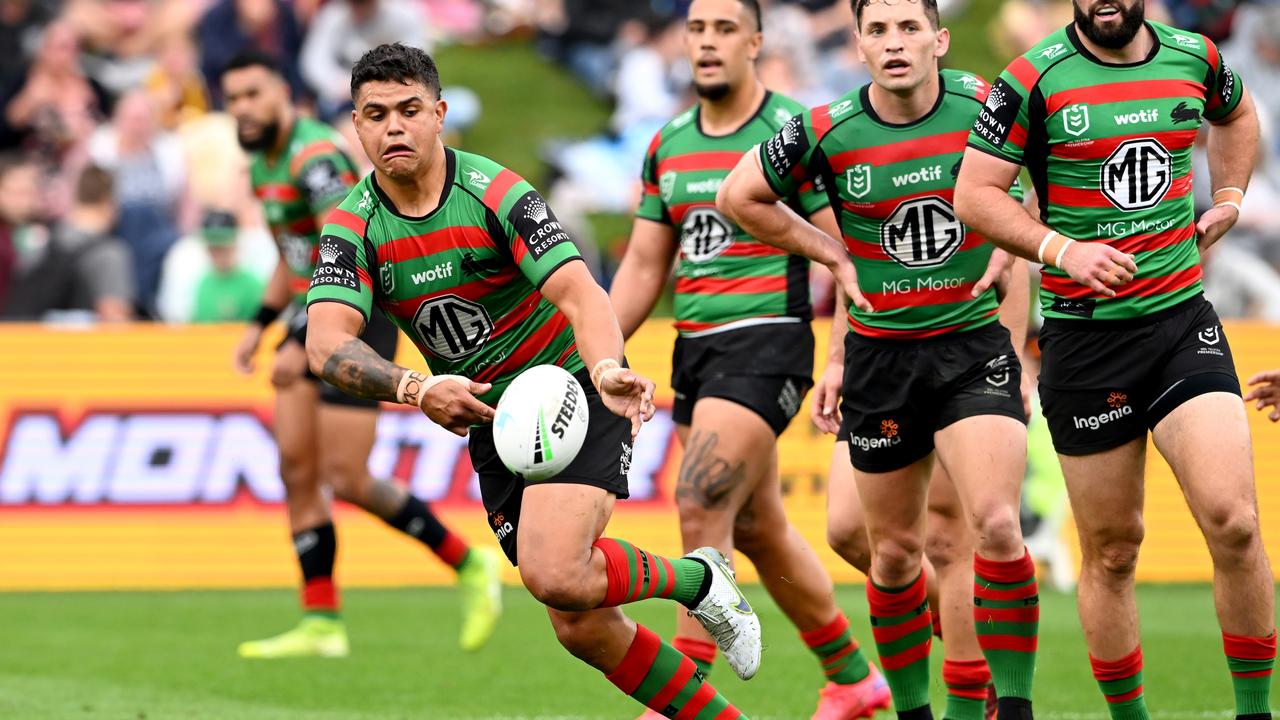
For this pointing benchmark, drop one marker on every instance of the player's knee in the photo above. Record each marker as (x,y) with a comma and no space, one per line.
(297,473)
(998,532)
(701,524)
(752,536)
(559,588)
(1116,556)
(579,634)
(1232,533)
(896,561)
(941,547)
(346,482)
(850,541)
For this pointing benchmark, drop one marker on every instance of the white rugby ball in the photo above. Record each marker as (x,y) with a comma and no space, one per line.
(540,422)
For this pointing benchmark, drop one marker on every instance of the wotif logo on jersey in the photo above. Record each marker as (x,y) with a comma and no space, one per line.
(1075,119)
(928,174)
(858,180)
(439,272)
(1139,117)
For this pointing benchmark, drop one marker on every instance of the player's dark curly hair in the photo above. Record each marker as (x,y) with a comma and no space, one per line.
(397,63)
(930,11)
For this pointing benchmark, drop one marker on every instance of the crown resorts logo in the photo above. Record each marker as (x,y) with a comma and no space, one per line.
(537,211)
(328,252)
(791,132)
(888,428)
(995,99)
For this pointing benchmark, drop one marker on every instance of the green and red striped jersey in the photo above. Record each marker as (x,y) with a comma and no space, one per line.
(312,176)
(725,279)
(892,187)
(462,282)
(1108,148)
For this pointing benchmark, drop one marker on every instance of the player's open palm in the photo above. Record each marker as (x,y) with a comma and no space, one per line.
(1213,224)
(825,410)
(1267,394)
(627,395)
(1098,266)
(452,404)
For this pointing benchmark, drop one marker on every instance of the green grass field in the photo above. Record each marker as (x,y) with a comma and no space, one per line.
(146,656)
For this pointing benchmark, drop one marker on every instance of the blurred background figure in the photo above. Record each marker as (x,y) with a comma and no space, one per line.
(19,209)
(228,292)
(230,26)
(79,271)
(54,105)
(209,272)
(175,84)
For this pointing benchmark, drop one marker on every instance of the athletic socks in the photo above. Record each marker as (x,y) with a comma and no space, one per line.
(902,626)
(841,658)
(1121,683)
(1251,660)
(634,575)
(967,682)
(1006,614)
(416,520)
(666,681)
(701,652)
(317,548)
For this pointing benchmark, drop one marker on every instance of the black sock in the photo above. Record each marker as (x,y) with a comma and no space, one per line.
(416,520)
(1013,708)
(924,712)
(317,548)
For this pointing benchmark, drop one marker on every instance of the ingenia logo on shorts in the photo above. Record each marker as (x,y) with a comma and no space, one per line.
(889,436)
(1120,407)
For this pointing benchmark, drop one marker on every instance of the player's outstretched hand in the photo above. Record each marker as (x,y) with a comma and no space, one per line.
(290,365)
(847,276)
(825,410)
(1098,266)
(1213,224)
(452,405)
(1267,393)
(999,268)
(242,359)
(627,395)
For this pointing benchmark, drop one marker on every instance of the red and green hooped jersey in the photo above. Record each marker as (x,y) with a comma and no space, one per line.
(312,175)
(461,282)
(892,186)
(724,278)
(1109,152)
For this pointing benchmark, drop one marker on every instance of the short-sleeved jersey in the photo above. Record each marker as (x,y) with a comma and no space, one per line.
(312,176)
(1108,148)
(461,282)
(725,279)
(892,186)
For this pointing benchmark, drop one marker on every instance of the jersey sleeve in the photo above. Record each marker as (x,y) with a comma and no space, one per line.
(812,196)
(1015,190)
(784,158)
(324,176)
(1001,126)
(1223,89)
(652,207)
(343,271)
(539,244)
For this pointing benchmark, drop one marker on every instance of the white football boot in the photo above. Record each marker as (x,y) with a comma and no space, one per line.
(727,616)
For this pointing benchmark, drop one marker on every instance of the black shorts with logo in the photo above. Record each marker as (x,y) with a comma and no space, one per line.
(767,369)
(1104,383)
(898,393)
(379,333)
(603,462)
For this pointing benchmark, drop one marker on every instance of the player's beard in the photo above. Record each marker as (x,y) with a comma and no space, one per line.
(265,140)
(713,92)
(1112,39)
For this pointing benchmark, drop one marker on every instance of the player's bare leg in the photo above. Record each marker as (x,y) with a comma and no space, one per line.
(1217,480)
(347,436)
(1106,493)
(581,577)
(985,455)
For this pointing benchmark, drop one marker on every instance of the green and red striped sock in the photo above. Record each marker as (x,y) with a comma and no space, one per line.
(1251,660)
(841,658)
(967,682)
(1121,683)
(666,681)
(634,575)
(1006,615)
(701,652)
(902,626)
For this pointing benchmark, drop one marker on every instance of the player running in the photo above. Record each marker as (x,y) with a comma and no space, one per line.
(926,364)
(508,291)
(1103,113)
(744,358)
(299,172)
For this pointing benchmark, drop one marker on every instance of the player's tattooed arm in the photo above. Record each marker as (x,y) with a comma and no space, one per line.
(356,369)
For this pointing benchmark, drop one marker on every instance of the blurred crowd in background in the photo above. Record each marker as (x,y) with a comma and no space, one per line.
(124,196)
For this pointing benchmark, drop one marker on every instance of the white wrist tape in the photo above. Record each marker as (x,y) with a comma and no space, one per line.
(414,386)
(601,368)
(1057,261)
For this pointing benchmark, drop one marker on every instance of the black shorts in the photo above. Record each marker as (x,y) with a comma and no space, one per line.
(1104,383)
(380,334)
(767,369)
(603,462)
(898,393)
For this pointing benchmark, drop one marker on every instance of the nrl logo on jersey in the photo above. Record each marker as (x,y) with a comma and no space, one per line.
(1186,41)
(388,277)
(858,180)
(1075,119)
(1053,51)
(477,178)
(840,108)
(667,185)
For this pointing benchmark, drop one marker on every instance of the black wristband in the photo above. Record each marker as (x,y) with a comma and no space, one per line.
(266,316)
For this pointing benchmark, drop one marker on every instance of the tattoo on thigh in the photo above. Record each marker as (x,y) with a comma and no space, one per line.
(706,477)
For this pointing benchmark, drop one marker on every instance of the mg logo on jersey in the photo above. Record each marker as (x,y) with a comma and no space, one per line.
(1137,174)
(705,235)
(1075,119)
(452,327)
(921,233)
(858,179)
(667,185)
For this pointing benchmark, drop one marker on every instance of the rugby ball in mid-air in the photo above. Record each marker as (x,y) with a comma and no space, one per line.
(540,422)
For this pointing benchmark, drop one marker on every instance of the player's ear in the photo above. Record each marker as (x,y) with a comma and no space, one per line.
(757,42)
(944,42)
(442,107)
(857,45)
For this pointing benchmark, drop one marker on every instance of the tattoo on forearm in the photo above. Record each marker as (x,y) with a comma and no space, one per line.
(356,369)
(705,477)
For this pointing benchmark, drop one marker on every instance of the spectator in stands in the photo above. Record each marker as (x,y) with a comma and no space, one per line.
(19,207)
(341,32)
(151,177)
(230,26)
(175,83)
(228,292)
(21,24)
(81,270)
(55,105)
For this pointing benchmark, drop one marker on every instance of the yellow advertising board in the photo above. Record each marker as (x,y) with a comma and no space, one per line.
(135,457)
